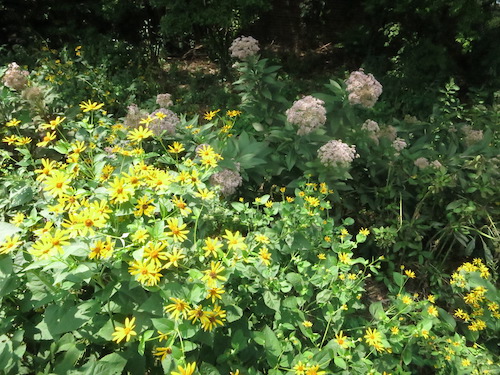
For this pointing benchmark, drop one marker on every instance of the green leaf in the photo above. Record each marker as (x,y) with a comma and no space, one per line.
(272,301)
(448,319)
(163,325)
(7,230)
(21,196)
(324,296)
(208,369)
(233,313)
(407,354)
(398,279)
(272,346)
(339,361)
(377,310)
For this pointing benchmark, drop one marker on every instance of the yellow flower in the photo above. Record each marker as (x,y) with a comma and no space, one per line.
(140,235)
(139,134)
(23,141)
(176,148)
(313,370)
(465,362)
(144,207)
(177,230)
(212,245)
(146,121)
(394,330)
(162,352)
(210,115)
(265,256)
(431,298)
(212,275)
(215,293)
(345,258)
(410,274)
(343,233)
(124,333)
(374,338)
(432,310)
(11,139)
(90,106)
(181,205)
(233,113)
(300,368)
(101,249)
(178,308)
(12,123)
(46,139)
(307,324)
(197,314)
(234,240)
(57,183)
(342,340)
(153,252)
(321,256)
(52,125)
(18,218)
(407,300)
(173,257)
(120,190)
(213,318)
(364,231)
(147,272)
(188,370)
(9,243)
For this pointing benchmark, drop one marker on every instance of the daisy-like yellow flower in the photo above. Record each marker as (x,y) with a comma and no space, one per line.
(144,207)
(342,340)
(140,235)
(177,308)
(394,330)
(343,233)
(432,310)
(18,218)
(345,258)
(215,293)
(139,134)
(212,246)
(153,252)
(300,368)
(90,106)
(312,201)
(174,257)
(177,230)
(410,274)
(23,141)
(197,314)
(101,249)
(407,300)
(120,190)
(233,113)
(322,256)
(12,123)
(364,231)
(53,124)
(265,256)
(234,240)
(146,121)
(210,115)
(57,183)
(213,318)
(162,352)
(9,243)
(314,370)
(176,148)
(11,139)
(213,274)
(47,167)
(181,205)
(374,338)
(307,324)
(188,370)
(146,272)
(46,139)
(261,238)
(125,333)
(204,194)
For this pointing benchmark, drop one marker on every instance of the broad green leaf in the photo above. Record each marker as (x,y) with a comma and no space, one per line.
(272,301)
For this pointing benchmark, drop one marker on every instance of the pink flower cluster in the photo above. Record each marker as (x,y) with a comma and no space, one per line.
(472,136)
(15,78)
(168,122)
(363,89)
(243,47)
(423,163)
(308,112)
(164,100)
(227,180)
(337,154)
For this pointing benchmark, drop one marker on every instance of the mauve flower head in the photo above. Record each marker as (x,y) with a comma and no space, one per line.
(227,180)
(308,112)
(399,144)
(421,163)
(15,78)
(363,89)
(164,100)
(337,154)
(134,116)
(32,94)
(168,121)
(389,132)
(436,164)
(472,136)
(243,47)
